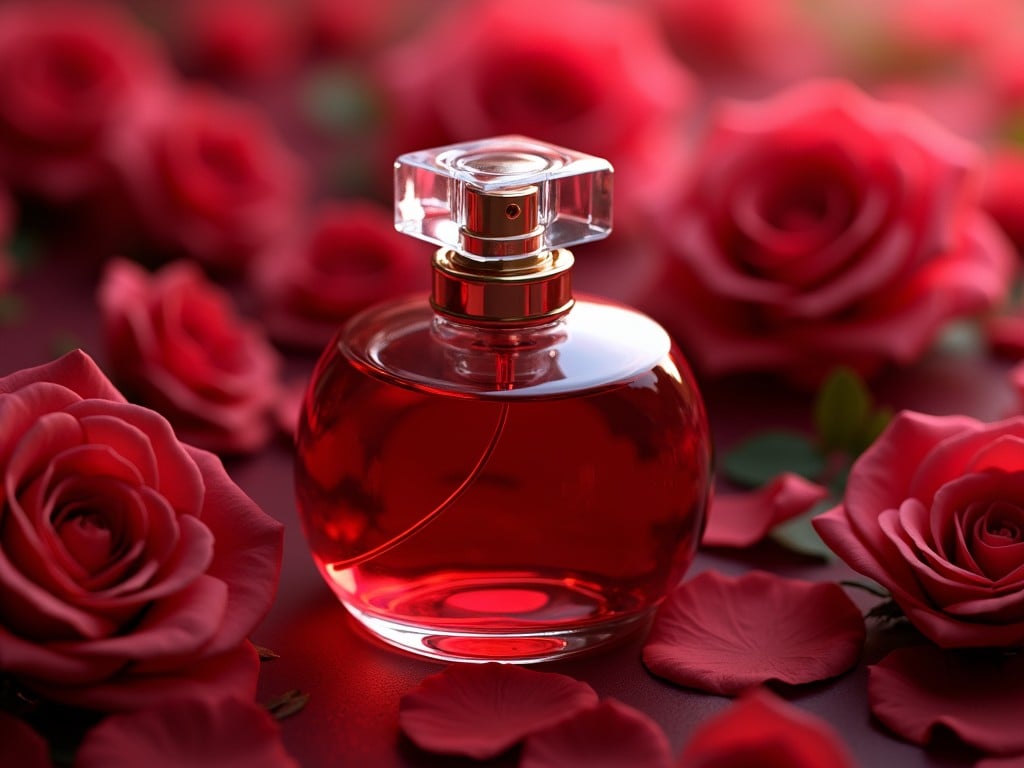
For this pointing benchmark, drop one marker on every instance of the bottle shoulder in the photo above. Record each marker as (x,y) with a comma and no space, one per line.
(596,345)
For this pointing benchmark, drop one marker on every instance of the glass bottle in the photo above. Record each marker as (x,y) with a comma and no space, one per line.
(503,472)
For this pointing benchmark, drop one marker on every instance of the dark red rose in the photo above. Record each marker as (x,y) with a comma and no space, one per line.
(245,40)
(934,512)
(594,76)
(71,75)
(132,568)
(351,257)
(210,179)
(176,344)
(824,228)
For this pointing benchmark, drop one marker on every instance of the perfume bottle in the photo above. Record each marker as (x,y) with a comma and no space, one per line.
(503,472)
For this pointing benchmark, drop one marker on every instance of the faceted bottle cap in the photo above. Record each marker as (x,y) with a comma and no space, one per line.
(503,197)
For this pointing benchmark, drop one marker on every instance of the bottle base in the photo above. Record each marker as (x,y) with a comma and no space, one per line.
(522,621)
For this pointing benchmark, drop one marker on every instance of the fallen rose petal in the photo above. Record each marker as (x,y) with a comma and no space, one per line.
(198,732)
(762,729)
(724,635)
(743,519)
(482,710)
(22,746)
(918,691)
(609,735)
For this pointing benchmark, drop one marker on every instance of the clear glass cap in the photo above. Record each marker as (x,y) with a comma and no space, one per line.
(504,196)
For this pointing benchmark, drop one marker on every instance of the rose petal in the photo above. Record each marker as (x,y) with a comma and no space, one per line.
(210,733)
(482,710)
(762,729)
(608,735)
(248,541)
(22,746)
(743,519)
(75,371)
(231,674)
(920,690)
(723,634)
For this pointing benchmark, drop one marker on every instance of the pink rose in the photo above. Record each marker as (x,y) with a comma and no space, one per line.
(594,76)
(210,179)
(822,228)
(71,75)
(132,568)
(351,257)
(176,344)
(934,512)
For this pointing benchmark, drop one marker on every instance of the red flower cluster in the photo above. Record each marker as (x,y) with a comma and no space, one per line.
(823,228)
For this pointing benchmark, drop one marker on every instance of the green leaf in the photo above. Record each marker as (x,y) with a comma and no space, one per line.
(798,535)
(339,100)
(764,456)
(842,408)
(873,427)
(24,250)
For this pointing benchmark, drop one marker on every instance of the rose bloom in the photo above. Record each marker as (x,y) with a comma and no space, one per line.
(740,40)
(210,179)
(934,512)
(351,257)
(176,344)
(246,40)
(132,568)
(1003,193)
(823,228)
(594,76)
(70,76)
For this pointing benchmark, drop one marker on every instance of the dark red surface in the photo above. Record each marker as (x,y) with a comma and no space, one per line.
(355,684)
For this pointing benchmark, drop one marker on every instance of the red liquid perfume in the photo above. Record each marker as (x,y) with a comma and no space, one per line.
(502,473)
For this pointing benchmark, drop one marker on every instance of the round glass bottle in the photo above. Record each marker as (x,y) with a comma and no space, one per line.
(503,473)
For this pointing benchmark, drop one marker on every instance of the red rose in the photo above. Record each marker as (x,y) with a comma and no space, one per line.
(132,568)
(352,257)
(210,179)
(754,42)
(593,76)
(241,39)
(822,228)
(177,345)
(70,76)
(1003,193)
(934,512)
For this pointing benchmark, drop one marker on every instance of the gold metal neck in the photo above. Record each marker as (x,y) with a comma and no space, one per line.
(533,288)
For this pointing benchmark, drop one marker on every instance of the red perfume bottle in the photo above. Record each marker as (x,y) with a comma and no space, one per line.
(502,473)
